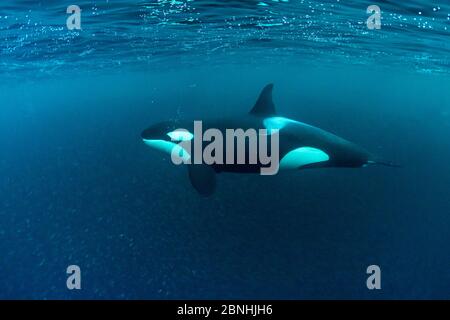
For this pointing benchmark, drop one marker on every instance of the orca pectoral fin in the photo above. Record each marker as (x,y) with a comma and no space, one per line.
(203,178)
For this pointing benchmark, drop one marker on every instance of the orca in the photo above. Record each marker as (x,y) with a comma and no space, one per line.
(300,145)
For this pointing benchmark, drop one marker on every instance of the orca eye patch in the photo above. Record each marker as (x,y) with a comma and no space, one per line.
(180,135)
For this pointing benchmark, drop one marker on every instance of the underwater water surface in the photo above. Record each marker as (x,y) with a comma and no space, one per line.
(78,186)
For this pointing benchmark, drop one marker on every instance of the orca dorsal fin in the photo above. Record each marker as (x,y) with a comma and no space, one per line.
(264,106)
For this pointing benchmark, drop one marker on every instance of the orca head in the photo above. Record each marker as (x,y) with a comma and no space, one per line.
(167,136)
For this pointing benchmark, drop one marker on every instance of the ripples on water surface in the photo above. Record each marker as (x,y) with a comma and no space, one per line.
(170,33)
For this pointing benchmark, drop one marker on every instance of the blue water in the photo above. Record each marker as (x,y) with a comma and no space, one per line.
(77,185)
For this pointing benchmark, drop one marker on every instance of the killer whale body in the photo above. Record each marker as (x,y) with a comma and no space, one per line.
(301,146)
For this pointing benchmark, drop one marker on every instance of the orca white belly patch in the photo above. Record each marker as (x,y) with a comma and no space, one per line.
(301,157)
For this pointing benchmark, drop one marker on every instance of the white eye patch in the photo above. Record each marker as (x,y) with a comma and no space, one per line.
(180,135)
